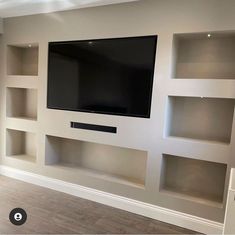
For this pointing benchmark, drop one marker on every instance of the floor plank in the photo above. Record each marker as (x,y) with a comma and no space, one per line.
(52,212)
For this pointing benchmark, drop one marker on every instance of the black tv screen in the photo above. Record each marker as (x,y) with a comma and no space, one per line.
(109,76)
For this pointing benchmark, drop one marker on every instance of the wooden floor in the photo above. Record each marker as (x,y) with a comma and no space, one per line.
(54,212)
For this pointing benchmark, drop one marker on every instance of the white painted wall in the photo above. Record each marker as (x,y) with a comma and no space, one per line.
(146,17)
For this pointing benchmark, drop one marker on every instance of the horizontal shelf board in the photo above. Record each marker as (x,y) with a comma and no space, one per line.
(194,198)
(197,149)
(24,118)
(22,124)
(23,157)
(50,128)
(98,174)
(22,81)
(192,140)
(22,76)
(201,88)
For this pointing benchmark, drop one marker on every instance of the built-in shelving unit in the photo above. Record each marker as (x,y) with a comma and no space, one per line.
(188,158)
(22,59)
(204,55)
(21,145)
(22,103)
(200,118)
(118,164)
(192,179)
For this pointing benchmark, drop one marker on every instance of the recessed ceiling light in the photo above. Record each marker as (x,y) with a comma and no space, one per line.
(208,35)
(30,45)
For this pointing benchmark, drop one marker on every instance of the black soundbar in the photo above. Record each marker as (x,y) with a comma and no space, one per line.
(93,127)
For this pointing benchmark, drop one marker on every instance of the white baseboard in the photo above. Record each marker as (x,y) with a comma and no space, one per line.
(159,213)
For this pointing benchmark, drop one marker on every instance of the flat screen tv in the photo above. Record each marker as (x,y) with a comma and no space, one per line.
(108,76)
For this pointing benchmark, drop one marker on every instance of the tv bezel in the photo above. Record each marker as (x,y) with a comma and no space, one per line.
(103,112)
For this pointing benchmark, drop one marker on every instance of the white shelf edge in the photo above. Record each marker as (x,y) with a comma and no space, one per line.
(21,124)
(22,118)
(207,88)
(204,151)
(83,138)
(22,76)
(197,141)
(22,82)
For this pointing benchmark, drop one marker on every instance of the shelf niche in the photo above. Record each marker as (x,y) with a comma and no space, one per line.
(22,59)
(21,145)
(208,119)
(124,165)
(195,180)
(197,56)
(22,103)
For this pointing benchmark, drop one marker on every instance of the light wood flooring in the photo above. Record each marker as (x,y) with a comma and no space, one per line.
(52,212)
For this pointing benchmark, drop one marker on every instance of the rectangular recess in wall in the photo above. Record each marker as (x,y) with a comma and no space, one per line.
(196,180)
(21,145)
(197,56)
(200,118)
(21,103)
(123,165)
(22,59)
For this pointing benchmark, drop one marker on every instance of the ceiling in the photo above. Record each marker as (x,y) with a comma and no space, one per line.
(11,8)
